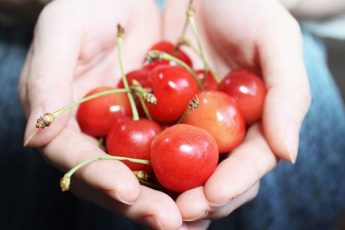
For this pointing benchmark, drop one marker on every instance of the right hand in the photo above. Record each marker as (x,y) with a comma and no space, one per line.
(73,51)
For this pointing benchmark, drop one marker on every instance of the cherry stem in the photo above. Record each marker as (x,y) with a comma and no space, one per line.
(191,19)
(184,30)
(88,98)
(144,96)
(48,118)
(159,55)
(141,175)
(66,179)
(119,40)
(185,42)
(192,105)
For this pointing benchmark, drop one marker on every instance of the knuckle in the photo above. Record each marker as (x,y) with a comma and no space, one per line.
(253,191)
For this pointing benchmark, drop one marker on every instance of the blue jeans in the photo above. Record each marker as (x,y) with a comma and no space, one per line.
(308,195)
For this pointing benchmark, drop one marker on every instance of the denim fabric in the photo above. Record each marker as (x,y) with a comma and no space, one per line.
(308,195)
(311,193)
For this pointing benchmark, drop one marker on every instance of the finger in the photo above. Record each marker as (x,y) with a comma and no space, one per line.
(157,209)
(113,178)
(202,209)
(22,84)
(288,97)
(152,208)
(55,54)
(241,170)
(196,225)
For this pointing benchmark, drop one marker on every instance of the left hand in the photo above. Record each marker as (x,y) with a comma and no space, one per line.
(256,35)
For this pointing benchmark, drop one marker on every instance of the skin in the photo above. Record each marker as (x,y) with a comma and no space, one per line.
(232,40)
(72,46)
(73,52)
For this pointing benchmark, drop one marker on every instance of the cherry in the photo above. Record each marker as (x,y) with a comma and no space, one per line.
(141,75)
(129,138)
(218,114)
(183,157)
(171,49)
(95,117)
(207,79)
(248,90)
(173,87)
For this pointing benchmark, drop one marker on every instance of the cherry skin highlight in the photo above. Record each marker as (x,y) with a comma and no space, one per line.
(183,157)
(248,90)
(95,117)
(173,87)
(218,114)
(207,79)
(129,138)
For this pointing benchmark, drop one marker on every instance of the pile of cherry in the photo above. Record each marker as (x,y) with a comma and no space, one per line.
(182,155)
(187,118)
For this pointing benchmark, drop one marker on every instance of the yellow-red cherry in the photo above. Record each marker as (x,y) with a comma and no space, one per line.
(95,117)
(218,114)
(183,157)
(249,91)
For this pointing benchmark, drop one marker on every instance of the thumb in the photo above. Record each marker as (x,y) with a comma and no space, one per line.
(288,97)
(54,57)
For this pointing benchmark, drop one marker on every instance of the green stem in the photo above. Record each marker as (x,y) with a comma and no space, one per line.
(142,94)
(192,105)
(185,27)
(66,179)
(105,157)
(119,39)
(88,98)
(183,117)
(143,105)
(191,19)
(156,54)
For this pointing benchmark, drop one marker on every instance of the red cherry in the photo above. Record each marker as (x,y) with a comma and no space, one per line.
(218,114)
(141,75)
(173,87)
(154,64)
(170,48)
(129,138)
(183,157)
(248,90)
(95,117)
(207,79)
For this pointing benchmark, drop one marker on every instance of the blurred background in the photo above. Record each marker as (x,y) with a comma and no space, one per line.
(336,60)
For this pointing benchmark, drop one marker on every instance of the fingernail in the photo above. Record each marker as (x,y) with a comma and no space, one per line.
(29,138)
(125,201)
(291,141)
(153,222)
(219,204)
(31,130)
(198,217)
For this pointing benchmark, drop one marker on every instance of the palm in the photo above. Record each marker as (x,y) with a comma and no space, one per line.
(252,35)
(97,63)
(74,51)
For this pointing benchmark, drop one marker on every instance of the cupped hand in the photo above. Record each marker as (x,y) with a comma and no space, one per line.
(74,51)
(261,36)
